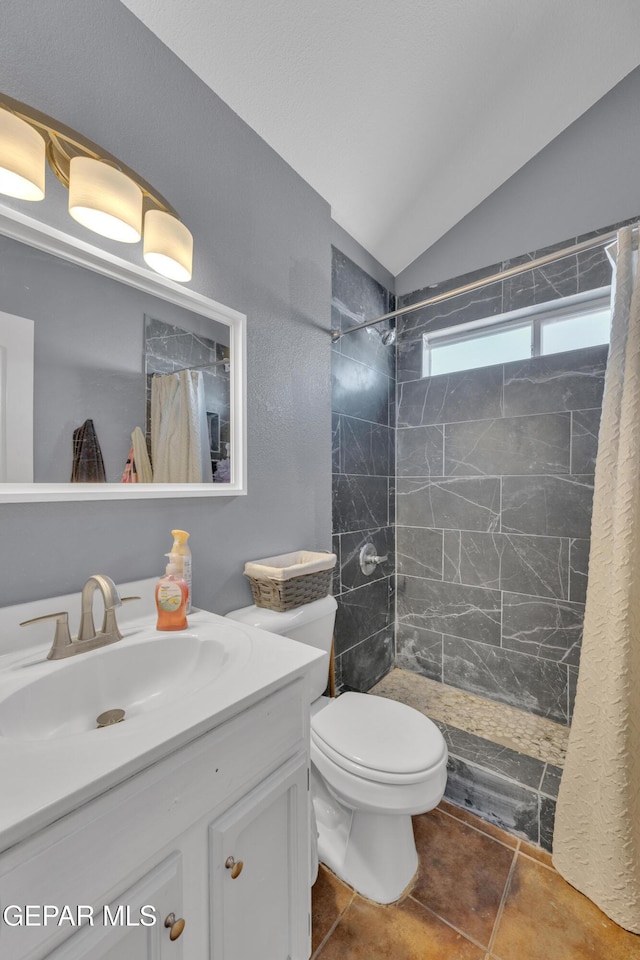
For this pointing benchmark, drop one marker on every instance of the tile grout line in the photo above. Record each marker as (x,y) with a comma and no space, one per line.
(498,773)
(481,831)
(539,536)
(505,894)
(332,929)
(396,445)
(539,816)
(452,926)
(510,416)
(531,596)
(542,776)
(571,431)
(547,866)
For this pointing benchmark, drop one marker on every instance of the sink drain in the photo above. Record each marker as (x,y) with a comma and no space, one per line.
(109,717)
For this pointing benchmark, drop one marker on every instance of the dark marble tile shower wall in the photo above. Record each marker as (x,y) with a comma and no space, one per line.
(494,492)
(363,402)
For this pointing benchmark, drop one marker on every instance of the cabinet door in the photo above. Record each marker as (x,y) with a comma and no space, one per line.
(119,938)
(263,910)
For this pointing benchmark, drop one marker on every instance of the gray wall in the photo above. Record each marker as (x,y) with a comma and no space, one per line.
(262,242)
(494,494)
(584,178)
(363,393)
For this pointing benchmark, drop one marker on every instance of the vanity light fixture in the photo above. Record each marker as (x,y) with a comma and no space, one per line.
(105,195)
(22,158)
(168,245)
(105,200)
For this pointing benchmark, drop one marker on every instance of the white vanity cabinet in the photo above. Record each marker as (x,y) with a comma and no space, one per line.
(254,908)
(171,838)
(161,887)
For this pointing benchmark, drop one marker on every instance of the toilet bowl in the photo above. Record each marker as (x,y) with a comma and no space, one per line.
(374,764)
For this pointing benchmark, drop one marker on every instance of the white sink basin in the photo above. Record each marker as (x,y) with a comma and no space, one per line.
(174,688)
(144,672)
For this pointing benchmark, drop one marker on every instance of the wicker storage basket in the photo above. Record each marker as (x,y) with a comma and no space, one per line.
(290,580)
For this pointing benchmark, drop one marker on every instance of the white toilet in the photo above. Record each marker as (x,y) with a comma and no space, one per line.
(374,764)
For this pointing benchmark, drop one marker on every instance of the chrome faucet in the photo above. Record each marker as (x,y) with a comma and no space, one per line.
(64,645)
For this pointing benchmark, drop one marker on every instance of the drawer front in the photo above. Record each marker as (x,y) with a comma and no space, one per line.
(131,927)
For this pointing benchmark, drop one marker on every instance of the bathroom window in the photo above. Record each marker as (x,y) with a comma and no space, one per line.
(568,324)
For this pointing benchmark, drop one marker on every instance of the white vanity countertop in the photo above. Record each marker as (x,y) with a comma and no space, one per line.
(45,779)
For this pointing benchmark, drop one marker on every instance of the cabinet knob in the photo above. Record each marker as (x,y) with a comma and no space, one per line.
(175,926)
(235,866)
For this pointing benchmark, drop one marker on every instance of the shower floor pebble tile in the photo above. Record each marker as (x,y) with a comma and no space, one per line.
(479,894)
(523,732)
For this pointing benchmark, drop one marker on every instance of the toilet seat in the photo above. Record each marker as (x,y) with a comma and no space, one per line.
(377,739)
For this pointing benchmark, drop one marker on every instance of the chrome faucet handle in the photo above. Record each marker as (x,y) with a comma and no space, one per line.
(369,560)
(61,638)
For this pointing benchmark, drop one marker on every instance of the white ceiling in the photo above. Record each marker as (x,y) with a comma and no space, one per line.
(403,114)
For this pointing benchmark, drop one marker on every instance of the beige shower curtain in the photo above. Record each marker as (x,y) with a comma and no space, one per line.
(179,437)
(596,844)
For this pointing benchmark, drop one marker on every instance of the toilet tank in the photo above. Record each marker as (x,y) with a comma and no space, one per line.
(311,624)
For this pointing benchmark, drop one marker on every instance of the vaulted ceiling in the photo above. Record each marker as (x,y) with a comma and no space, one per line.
(403,114)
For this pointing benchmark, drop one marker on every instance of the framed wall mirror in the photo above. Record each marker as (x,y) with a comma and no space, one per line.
(130,384)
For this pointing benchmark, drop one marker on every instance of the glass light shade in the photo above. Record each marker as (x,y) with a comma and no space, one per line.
(22,158)
(168,246)
(105,200)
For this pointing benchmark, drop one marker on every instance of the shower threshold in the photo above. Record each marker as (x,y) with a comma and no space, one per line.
(505,764)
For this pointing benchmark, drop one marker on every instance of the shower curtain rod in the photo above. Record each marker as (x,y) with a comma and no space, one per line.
(599,241)
(200,366)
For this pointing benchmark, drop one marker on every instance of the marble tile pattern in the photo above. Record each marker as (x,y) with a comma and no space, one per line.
(363,612)
(420,451)
(419,552)
(494,496)
(419,651)
(450,397)
(450,608)
(361,666)
(483,477)
(549,506)
(470,503)
(578,569)
(363,458)
(515,445)
(537,566)
(561,381)
(519,679)
(551,629)
(584,448)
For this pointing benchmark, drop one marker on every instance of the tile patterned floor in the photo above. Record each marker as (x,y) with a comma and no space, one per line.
(480,894)
(498,722)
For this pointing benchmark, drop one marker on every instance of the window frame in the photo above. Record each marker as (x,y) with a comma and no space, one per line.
(581,304)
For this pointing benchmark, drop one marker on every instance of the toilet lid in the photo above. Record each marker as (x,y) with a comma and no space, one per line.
(379,734)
